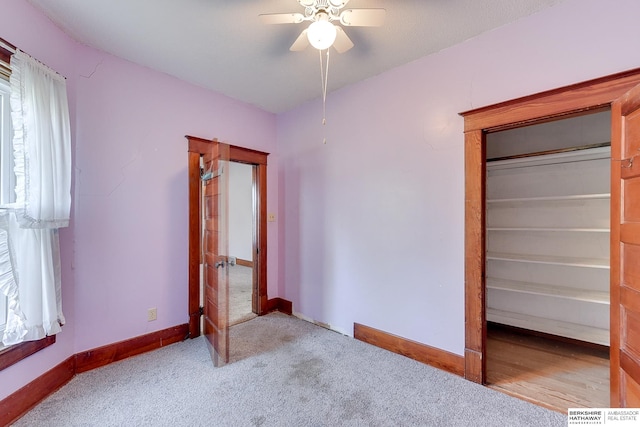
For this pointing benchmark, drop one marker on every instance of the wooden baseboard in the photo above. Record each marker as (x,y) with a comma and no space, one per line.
(435,357)
(244,262)
(18,403)
(110,353)
(281,305)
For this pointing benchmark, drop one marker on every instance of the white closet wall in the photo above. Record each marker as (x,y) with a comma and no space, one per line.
(548,243)
(241,211)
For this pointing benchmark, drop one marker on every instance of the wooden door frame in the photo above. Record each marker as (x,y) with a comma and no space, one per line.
(258,159)
(551,105)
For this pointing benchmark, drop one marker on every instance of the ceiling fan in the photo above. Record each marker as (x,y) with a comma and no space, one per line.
(322,33)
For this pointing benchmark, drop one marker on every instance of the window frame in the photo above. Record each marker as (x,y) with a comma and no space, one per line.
(15,353)
(8,179)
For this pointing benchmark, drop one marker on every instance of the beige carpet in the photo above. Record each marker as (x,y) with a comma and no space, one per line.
(240,291)
(283,372)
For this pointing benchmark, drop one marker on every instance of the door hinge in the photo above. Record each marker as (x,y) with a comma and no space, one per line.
(210,174)
(201,311)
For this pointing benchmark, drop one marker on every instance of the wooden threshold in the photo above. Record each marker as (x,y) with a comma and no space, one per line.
(556,374)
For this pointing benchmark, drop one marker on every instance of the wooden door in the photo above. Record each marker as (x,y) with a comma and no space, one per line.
(198,147)
(215,251)
(625,250)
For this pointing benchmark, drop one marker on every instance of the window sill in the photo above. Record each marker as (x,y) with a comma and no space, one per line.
(16,353)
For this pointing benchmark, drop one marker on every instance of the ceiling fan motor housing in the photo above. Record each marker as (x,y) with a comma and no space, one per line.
(326,19)
(329,7)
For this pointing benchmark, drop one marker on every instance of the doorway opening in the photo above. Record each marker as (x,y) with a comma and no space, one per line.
(256,162)
(547,261)
(242,230)
(621,94)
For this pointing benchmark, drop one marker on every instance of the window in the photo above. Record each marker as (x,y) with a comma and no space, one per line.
(35,201)
(7,177)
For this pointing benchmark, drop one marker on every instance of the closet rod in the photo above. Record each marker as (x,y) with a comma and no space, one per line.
(557,151)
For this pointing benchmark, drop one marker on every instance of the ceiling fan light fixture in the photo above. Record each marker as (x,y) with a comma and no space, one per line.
(321,34)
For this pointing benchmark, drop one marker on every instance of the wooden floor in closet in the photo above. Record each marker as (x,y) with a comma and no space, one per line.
(555,374)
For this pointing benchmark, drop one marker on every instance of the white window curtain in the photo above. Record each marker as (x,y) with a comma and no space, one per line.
(30,251)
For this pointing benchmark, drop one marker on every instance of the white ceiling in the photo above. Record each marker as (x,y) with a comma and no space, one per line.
(221,44)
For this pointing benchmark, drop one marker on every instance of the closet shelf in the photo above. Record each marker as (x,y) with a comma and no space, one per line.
(554,327)
(553,260)
(551,198)
(547,221)
(575,229)
(575,294)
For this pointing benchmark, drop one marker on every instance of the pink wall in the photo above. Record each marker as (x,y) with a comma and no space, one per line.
(371,224)
(131,192)
(374,220)
(126,250)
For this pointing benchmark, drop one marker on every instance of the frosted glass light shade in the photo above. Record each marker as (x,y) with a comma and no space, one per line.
(321,34)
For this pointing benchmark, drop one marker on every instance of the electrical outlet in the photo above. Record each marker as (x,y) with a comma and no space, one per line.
(152,314)
(271,217)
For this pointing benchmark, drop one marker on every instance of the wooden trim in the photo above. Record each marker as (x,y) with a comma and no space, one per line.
(571,100)
(281,305)
(260,249)
(18,403)
(194,244)
(244,262)
(435,357)
(197,147)
(110,353)
(614,256)
(236,153)
(6,50)
(247,155)
(475,364)
(475,314)
(16,353)
(556,103)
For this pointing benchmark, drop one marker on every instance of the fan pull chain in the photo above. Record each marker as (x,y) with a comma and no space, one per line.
(324,77)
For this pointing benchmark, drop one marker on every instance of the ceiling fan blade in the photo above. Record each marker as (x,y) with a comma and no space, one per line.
(301,42)
(363,17)
(281,18)
(343,43)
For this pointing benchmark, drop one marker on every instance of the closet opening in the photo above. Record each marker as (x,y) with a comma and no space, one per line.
(619,93)
(547,246)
